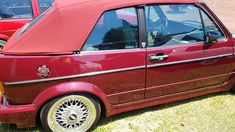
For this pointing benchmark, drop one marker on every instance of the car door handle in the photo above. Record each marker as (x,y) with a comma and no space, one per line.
(158,57)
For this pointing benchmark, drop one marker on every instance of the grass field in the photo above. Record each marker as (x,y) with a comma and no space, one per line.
(210,113)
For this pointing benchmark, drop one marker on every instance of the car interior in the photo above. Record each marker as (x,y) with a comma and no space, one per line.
(112,32)
(166,31)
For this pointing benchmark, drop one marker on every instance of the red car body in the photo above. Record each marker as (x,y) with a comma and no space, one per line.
(9,26)
(121,80)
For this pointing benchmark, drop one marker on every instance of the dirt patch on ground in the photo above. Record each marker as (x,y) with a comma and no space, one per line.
(225,10)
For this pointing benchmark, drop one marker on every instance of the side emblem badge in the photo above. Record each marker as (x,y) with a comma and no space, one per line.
(43,71)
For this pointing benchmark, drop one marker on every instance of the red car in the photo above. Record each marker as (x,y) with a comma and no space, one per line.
(15,13)
(82,59)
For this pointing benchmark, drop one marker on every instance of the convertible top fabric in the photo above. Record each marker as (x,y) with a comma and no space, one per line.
(67,26)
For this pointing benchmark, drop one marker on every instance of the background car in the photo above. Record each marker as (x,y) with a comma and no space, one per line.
(16,13)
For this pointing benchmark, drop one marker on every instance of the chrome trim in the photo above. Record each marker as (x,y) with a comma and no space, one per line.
(113,71)
(112,51)
(224,39)
(74,76)
(177,45)
(187,61)
(157,58)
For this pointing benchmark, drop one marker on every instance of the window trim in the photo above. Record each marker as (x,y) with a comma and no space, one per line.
(142,26)
(202,21)
(23,30)
(110,51)
(202,10)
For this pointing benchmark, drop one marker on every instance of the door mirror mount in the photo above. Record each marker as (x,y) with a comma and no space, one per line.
(209,39)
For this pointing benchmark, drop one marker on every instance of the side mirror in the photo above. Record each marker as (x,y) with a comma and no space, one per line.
(209,39)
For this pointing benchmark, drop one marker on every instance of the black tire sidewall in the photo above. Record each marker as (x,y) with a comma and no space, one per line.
(2,42)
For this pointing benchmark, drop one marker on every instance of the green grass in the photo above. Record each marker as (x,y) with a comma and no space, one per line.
(210,113)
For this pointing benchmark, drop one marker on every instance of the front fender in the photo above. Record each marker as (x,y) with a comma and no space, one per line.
(71,88)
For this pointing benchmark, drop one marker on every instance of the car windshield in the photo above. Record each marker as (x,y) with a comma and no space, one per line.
(27,26)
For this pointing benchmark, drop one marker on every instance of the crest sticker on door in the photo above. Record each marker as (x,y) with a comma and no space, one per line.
(43,71)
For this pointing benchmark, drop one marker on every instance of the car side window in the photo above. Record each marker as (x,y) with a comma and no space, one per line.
(15,9)
(44,4)
(211,27)
(116,29)
(173,24)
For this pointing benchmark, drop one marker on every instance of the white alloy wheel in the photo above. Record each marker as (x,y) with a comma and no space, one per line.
(73,113)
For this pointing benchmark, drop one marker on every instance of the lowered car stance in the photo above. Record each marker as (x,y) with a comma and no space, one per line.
(82,59)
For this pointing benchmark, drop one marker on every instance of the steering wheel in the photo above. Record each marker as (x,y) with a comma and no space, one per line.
(157,30)
(161,36)
(162,24)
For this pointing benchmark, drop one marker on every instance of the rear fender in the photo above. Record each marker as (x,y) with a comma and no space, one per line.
(71,88)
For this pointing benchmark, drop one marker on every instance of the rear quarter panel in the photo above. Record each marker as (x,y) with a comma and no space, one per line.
(115,86)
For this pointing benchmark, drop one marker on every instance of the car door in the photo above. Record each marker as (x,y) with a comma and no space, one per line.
(178,58)
(113,48)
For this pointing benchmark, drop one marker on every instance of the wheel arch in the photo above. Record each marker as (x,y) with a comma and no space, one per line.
(72,88)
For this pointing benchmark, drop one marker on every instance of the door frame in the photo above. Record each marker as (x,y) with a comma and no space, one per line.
(202,7)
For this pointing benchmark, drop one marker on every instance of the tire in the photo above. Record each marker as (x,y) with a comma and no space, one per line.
(233,89)
(2,43)
(71,113)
